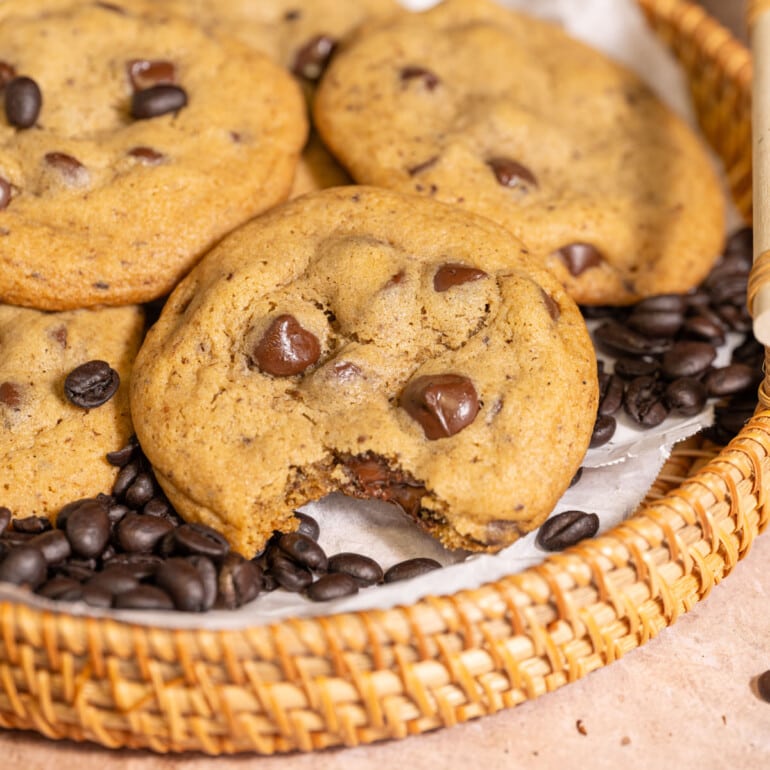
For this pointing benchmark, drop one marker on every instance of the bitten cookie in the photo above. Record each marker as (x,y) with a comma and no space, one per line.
(505,115)
(127,148)
(58,420)
(383,345)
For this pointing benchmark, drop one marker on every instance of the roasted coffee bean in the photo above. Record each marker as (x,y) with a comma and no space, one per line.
(96,596)
(330,587)
(685,396)
(182,582)
(144,597)
(157,506)
(240,581)
(121,457)
(702,328)
(208,575)
(736,317)
(75,570)
(5,193)
(308,526)
(311,58)
(114,579)
(576,478)
(656,323)
(740,243)
(763,685)
(198,539)
(612,396)
(687,359)
(511,173)
(5,518)
(304,551)
(53,544)
(23,565)
(88,529)
(289,575)
(662,303)
(138,533)
(91,384)
(116,512)
(727,380)
(410,568)
(156,101)
(141,491)
(441,404)
(643,401)
(23,101)
(604,429)
(141,565)
(566,529)
(579,257)
(728,286)
(61,588)
(125,477)
(454,274)
(32,525)
(286,349)
(616,338)
(429,79)
(269,583)
(629,368)
(362,569)
(750,352)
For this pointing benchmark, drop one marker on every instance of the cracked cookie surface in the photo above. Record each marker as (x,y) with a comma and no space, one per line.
(505,115)
(374,343)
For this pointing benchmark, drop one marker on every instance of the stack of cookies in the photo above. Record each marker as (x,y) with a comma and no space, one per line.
(411,333)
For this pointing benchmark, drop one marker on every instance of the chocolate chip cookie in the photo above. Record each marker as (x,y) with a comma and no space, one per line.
(375,343)
(63,402)
(127,148)
(505,115)
(317,169)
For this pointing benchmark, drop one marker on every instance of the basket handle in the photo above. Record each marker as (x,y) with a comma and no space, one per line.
(759,280)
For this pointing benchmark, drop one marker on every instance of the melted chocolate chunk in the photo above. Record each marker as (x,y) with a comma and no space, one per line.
(68,166)
(311,59)
(442,404)
(5,193)
(146,155)
(510,173)
(579,257)
(455,274)
(146,73)
(286,348)
(424,166)
(7,73)
(551,305)
(11,394)
(373,477)
(429,79)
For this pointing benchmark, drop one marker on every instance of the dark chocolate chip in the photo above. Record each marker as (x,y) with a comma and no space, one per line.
(551,305)
(579,257)
(23,101)
(311,59)
(410,568)
(286,348)
(454,274)
(146,73)
(442,404)
(67,165)
(329,587)
(91,384)
(147,155)
(763,685)
(156,101)
(566,529)
(429,79)
(364,570)
(11,394)
(7,73)
(510,173)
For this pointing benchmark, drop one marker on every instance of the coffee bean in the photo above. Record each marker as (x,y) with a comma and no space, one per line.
(453,274)
(736,317)
(198,539)
(157,506)
(687,359)
(114,579)
(579,257)
(88,529)
(750,352)
(662,303)
(727,380)
(362,569)
(73,569)
(308,526)
(23,565)
(410,568)
(576,478)
(125,477)
(141,565)
(763,685)
(5,193)
(311,59)
(612,396)
(146,73)
(53,545)
(617,338)
(511,173)
(141,491)
(566,529)
(304,551)
(144,597)
(96,596)
(182,582)
(330,587)
(138,533)
(442,404)
(685,396)
(289,575)
(208,575)
(240,581)
(32,525)
(116,512)
(156,101)
(429,79)
(23,101)
(643,401)
(91,384)
(5,518)
(628,368)
(656,323)
(703,328)
(286,348)
(604,429)
(61,588)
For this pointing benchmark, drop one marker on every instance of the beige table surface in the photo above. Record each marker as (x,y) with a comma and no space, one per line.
(687,699)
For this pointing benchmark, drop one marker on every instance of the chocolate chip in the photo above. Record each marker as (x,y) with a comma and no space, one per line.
(364,570)
(424,166)
(429,79)
(455,274)
(410,568)
(68,166)
(763,685)
(579,257)
(23,101)
(303,550)
(91,384)
(312,58)
(551,305)
(566,529)
(5,193)
(442,404)
(286,348)
(7,73)
(330,587)
(146,73)
(510,173)
(156,101)
(23,565)
(144,597)
(685,396)
(11,395)
(240,581)
(147,155)
(88,529)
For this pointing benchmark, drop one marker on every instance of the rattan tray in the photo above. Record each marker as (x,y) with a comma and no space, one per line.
(356,678)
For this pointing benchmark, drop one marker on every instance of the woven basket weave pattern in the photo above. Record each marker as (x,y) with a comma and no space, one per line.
(356,678)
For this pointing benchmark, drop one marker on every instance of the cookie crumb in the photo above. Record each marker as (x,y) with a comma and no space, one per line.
(625,741)
(581,728)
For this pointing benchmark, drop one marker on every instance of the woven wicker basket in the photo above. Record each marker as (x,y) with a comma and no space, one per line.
(356,678)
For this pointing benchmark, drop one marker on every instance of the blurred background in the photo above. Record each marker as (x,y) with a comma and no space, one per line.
(732,13)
